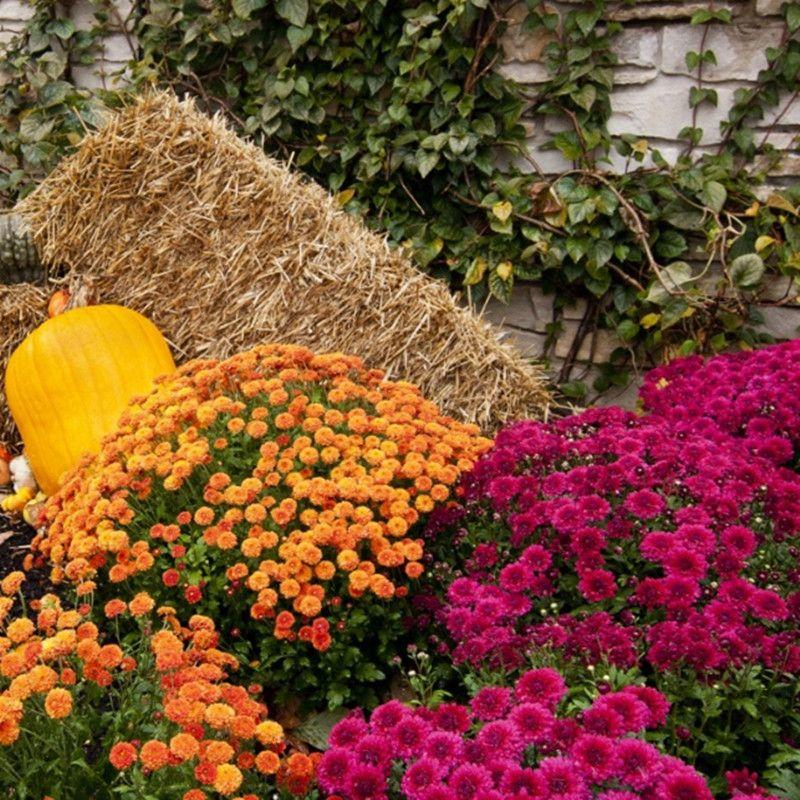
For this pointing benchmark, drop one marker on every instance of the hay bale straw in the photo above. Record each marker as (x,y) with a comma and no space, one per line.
(169,212)
(23,306)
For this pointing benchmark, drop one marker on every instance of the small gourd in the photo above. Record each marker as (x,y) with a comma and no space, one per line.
(19,259)
(72,377)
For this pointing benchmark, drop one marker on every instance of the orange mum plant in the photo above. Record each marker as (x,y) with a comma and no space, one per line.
(213,736)
(278,488)
(162,718)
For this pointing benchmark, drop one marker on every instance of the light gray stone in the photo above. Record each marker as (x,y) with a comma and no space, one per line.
(550,162)
(530,345)
(528,310)
(517,313)
(625,396)
(525,72)
(769,8)
(739,49)
(521,45)
(638,47)
(630,76)
(117,48)
(788,166)
(597,347)
(15,10)
(789,113)
(660,109)
(779,288)
(782,322)
(663,11)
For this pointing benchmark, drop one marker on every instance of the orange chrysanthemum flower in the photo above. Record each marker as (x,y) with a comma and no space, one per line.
(122,755)
(58,703)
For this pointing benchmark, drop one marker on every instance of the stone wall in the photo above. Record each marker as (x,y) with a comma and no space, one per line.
(652,84)
(652,81)
(117,48)
(650,100)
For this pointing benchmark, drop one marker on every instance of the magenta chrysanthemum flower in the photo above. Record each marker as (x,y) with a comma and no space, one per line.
(334,768)
(491,702)
(468,781)
(683,785)
(421,775)
(545,686)
(366,782)
(596,755)
(562,780)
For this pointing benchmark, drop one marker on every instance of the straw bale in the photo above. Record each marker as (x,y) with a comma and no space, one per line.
(167,211)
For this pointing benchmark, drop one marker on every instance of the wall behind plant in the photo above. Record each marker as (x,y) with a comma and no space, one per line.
(650,100)
(628,188)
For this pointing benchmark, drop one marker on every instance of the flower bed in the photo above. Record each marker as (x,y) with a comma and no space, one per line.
(278,492)
(511,743)
(612,600)
(750,395)
(608,540)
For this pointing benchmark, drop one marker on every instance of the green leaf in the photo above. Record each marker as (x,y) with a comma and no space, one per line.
(63,28)
(316,729)
(793,16)
(426,161)
(673,280)
(747,270)
(298,36)
(499,287)
(683,216)
(294,11)
(502,210)
(627,330)
(585,97)
(714,195)
(575,390)
(476,271)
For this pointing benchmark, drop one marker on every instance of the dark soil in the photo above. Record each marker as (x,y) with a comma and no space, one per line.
(15,539)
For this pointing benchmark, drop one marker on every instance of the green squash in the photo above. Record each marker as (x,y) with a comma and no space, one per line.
(19,259)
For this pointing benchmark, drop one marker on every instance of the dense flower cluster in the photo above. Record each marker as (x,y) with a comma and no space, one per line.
(663,541)
(218,730)
(44,657)
(750,394)
(511,743)
(295,479)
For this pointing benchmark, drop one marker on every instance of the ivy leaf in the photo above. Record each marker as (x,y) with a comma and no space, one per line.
(683,216)
(476,271)
(34,129)
(502,210)
(298,36)
(714,195)
(793,17)
(763,242)
(63,28)
(648,320)
(627,330)
(747,270)
(673,279)
(426,161)
(294,11)
(316,729)
(585,97)
(244,8)
(500,287)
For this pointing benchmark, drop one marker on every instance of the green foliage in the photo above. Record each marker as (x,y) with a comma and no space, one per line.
(397,109)
(44,114)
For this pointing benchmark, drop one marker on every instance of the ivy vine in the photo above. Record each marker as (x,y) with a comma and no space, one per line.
(398,109)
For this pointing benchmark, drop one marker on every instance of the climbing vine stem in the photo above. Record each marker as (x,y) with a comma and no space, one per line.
(400,110)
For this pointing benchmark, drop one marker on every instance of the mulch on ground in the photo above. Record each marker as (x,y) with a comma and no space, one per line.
(15,539)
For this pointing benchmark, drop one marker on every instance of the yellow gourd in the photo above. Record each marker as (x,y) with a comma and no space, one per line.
(69,381)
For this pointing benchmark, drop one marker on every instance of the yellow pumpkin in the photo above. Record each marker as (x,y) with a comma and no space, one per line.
(69,381)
